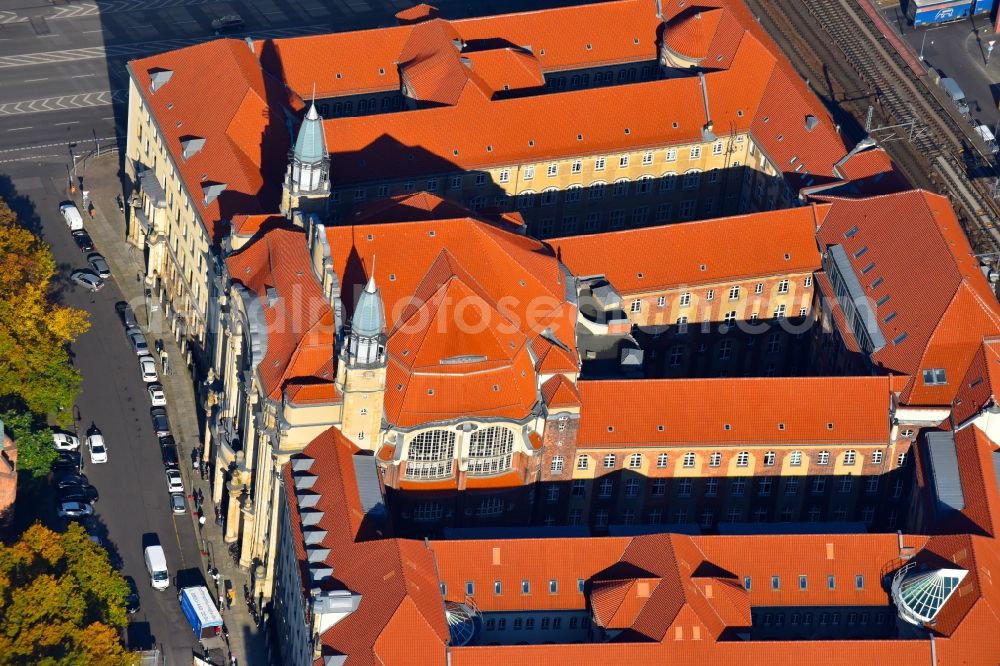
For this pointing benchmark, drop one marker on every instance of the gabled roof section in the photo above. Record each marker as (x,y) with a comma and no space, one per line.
(245,136)
(300,324)
(506,70)
(777,242)
(732,411)
(418,207)
(926,290)
(690,33)
(981,384)
(560,392)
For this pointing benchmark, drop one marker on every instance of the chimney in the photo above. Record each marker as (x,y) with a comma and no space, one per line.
(706,132)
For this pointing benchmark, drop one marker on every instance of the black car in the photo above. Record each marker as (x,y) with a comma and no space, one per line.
(68,477)
(170,456)
(132,600)
(83,240)
(167,440)
(79,493)
(127,315)
(228,23)
(160,422)
(67,460)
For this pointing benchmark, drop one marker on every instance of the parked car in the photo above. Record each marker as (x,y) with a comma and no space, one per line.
(227,23)
(99,264)
(72,475)
(167,441)
(64,441)
(83,240)
(71,460)
(89,281)
(75,510)
(85,494)
(156,395)
(147,366)
(138,340)
(72,216)
(170,458)
(160,422)
(97,446)
(178,503)
(132,599)
(70,480)
(126,314)
(175,484)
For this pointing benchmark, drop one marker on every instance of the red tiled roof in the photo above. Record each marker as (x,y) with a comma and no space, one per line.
(250,225)
(312,394)
(981,384)
(506,69)
(244,147)
(777,242)
(630,412)
(463,301)
(929,284)
(416,13)
(560,392)
(409,208)
(691,32)
(299,322)
(617,603)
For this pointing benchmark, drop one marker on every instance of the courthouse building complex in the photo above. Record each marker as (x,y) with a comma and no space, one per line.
(570,336)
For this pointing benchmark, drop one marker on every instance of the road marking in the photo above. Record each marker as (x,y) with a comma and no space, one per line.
(90,32)
(18,129)
(28,158)
(78,101)
(57,143)
(34,80)
(82,76)
(71,122)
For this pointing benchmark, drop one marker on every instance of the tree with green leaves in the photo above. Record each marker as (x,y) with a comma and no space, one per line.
(35,452)
(61,602)
(35,331)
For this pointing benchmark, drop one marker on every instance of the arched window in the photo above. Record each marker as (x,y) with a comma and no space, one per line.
(525,199)
(597,189)
(635,460)
(742,458)
(644,185)
(490,451)
(850,457)
(692,179)
(621,187)
(430,455)
(549,196)
(715,459)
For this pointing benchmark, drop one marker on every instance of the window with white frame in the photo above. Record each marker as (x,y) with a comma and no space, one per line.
(553,170)
(901,459)
(742,458)
(734,293)
(576,167)
(427,512)
(601,519)
(715,459)
(758,288)
(644,185)
(609,461)
(504,176)
(685,299)
(616,220)
(695,152)
(661,460)
(583,462)
(623,161)
(783,287)
(717,148)
(764,486)
(647,158)
(795,459)
(711,487)
(730,317)
(725,350)
(621,187)
(593,222)
(636,306)
(850,457)
(738,487)
(430,455)
(490,507)
(823,458)
(769,459)
(876,457)
(632,487)
(676,356)
(689,459)
(455,183)
(525,199)
(684,487)
(659,488)
(549,196)
(552,493)
(710,295)
(663,211)
(597,190)
(661,301)
(686,209)
(573,193)
(605,487)
(808,281)
(692,179)
(599,164)
(774,342)
(671,155)
(529,172)
(682,325)
(557,465)
(668,182)
(635,461)
(490,451)
(779,312)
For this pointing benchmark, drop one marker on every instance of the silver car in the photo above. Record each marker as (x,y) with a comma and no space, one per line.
(138,340)
(99,264)
(87,280)
(178,503)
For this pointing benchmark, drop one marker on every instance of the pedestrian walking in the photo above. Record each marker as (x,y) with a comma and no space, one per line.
(201,521)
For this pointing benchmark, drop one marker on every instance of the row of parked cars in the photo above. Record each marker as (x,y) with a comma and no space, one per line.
(157,412)
(91,278)
(75,495)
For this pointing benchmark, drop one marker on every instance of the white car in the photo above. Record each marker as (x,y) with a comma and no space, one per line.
(147,366)
(65,442)
(156,395)
(175,484)
(72,216)
(138,340)
(98,450)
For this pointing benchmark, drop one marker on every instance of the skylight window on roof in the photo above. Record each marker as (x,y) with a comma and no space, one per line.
(579,137)
(800,167)
(371,237)
(553,586)
(829,426)
(659,428)
(739,113)
(430,391)
(775,582)
(635,40)
(489,149)
(579,585)
(531,143)
(899,338)
(497,588)
(803,582)
(628,131)
(781,137)
(859,582)
(868,269)
(850,232)
(339,75)
(639,275)
(889,317)
(590,47)
(381,71)
(675,124)
(877,283)
(525,586)
(883,300)
(392,277)
(729,427)
(795,158)
(767,118)
(861,251)
(781,426)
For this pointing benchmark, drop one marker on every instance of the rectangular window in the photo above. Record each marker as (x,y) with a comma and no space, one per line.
(553,586)
(775,582)
(623,161)
(671,155)
(505,176)
(734,293)
(934,377)
(783,287)
(717,148)
(661,301)
(685,300)
(480,179)
(432,184)
(529,172)
(695,152)
(582,462)
(599,164)
(553,170)
(577,167)
(497,588)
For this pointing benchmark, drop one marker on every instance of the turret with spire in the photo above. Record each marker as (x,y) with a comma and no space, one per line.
(307,181)
(362,367)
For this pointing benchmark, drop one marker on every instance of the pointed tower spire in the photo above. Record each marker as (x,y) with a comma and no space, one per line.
(307,180)
(369,315)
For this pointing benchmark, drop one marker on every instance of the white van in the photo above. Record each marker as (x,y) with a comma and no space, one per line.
(156,565)
(72,216)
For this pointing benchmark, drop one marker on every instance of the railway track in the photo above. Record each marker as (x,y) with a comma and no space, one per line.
(830,40)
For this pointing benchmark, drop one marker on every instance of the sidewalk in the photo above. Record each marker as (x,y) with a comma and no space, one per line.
(107,228)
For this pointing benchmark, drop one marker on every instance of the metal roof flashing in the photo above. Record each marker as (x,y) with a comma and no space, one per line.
(943,465)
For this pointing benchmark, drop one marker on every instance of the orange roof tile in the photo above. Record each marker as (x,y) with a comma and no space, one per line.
(690,33)
(617,603)
(277,270)
(777,242)
(416,13)
(630,412)
(250,225)
(243,148)
(981,384)
(506,69)
(560,392)
(912,258)
(302,393)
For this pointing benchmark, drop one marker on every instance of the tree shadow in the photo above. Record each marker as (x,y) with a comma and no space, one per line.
(22,206)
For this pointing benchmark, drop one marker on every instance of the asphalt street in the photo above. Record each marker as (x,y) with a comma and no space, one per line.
(134,503)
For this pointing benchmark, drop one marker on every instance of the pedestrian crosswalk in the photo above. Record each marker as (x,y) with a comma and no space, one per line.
(63,102)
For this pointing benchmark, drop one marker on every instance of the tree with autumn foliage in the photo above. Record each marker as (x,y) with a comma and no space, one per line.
(61,602)
(35,371)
